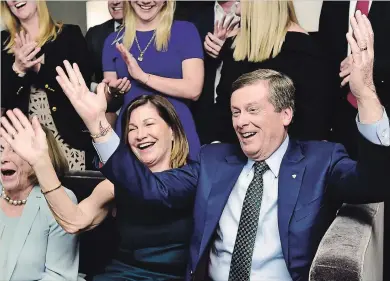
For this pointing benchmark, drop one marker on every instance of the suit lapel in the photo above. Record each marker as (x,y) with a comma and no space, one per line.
(227,174)
(291,174)
(22,230)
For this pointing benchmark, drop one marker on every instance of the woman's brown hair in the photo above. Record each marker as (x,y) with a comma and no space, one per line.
(180,147)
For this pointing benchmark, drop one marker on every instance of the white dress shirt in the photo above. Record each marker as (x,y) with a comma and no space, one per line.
(352,9)
(268,263)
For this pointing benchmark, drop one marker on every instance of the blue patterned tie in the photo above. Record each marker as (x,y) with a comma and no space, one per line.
(240,267)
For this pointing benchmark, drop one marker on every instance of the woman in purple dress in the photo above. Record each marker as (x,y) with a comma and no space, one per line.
(158,56)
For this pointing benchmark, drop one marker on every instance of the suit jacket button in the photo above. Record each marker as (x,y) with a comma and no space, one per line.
(54,108)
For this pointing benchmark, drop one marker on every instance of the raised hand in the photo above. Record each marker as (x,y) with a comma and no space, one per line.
(133,67)
(25,51)
(345,69)
(118,86)
(90,107)
(27,140)
(222,30)
(362,46)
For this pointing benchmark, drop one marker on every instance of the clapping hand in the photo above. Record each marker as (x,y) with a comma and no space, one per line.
(133,67)
(27,139)
(25,51)
(362,46)
(214,42)
(118,86)
(90,107)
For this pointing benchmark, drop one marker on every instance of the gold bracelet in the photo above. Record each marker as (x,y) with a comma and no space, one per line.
(48,191)
(103,132)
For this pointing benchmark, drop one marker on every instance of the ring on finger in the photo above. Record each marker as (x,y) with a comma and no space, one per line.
(121,92)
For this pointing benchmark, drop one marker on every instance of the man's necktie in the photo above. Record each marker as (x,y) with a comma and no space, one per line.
(362,6)
(240,267)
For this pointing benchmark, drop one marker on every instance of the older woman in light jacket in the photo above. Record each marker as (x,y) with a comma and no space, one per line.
(32,245)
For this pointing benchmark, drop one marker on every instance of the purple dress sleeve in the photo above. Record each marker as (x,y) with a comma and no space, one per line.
(191,44)
(110,53)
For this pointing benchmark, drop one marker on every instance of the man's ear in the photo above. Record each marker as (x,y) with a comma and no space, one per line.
(287,115)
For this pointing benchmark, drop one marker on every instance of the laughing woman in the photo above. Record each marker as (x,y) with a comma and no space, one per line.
(158,55)
(32,45)
(154,239)
(33,246)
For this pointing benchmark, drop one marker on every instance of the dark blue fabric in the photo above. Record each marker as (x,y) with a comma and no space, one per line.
(315,178)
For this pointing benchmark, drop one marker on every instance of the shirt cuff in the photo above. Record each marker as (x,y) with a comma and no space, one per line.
(106,149)
(93,87)
(378,132)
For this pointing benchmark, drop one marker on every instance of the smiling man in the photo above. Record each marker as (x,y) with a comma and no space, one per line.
(261,208)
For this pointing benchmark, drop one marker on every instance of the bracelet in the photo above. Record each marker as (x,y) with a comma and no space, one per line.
(17,71)
(48,191)
(147,80)
(103,131)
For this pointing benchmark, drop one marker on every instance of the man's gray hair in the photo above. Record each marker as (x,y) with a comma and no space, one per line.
(281,87)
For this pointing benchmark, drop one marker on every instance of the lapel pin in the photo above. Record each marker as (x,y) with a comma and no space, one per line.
(294,176)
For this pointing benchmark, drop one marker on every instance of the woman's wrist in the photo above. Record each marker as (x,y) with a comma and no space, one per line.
(97,125)
(17,70)
(144,78)
(42,163)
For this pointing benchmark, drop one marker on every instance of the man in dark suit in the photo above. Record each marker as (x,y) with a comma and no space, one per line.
(290,189)
(333,25)
(96,36)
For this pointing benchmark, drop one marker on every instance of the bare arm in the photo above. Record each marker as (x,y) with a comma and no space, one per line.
(71,217)
(189,87)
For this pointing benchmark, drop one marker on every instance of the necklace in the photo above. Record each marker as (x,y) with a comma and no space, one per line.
(12,202)
(141,53)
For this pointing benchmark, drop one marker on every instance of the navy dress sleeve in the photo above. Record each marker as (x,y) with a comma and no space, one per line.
(190,43)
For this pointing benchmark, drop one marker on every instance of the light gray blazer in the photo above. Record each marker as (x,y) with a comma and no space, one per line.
(40,248)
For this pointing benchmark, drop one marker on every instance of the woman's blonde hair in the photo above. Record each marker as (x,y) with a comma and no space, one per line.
(48,28)
(180,147)
(56,154)
(163,30)
(264,25)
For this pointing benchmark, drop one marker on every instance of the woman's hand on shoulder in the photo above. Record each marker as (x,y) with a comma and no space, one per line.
(27,139)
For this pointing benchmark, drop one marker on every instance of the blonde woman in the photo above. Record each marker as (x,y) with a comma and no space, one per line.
(270,38)
(33,44)
(154,239)
(158,55)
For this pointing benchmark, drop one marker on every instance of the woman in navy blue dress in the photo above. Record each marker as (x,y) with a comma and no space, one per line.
(154,239)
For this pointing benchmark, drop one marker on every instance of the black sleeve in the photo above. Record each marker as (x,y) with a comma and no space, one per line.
(72,46)
(13,87)
(89,37)
(316,89)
